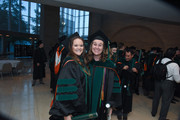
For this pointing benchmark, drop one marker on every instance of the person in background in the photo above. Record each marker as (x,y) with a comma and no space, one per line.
(57,55)
(71,94)
(177,91)
(39,60)
(148,81)
(166,87)
(120,52)
(113,51)
(128,70)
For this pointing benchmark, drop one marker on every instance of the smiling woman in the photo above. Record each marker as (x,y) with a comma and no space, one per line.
(102,81)
(71,93)
(78,46)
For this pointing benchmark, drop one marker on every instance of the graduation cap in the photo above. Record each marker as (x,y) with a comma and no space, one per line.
(113,45)
(99,35)
(133,47)
(62,38)
(66,41)
(153,48)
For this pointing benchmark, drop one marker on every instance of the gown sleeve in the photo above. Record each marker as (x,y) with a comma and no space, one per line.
(69,97)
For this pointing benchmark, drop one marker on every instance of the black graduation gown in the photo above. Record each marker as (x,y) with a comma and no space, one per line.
(71,92)
(39,57)
(128,80)
(54,76)
(148,82)
(100,84)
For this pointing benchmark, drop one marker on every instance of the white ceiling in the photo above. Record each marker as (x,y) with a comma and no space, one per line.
(157,9)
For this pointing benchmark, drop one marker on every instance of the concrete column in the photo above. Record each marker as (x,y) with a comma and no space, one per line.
(49,28)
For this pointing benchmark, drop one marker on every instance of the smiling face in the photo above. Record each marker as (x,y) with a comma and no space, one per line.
(128,56)
(77,46)
(113,50)
(97,47)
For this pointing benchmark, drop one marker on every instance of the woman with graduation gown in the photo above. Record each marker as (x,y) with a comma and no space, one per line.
(71,92)
(101,81)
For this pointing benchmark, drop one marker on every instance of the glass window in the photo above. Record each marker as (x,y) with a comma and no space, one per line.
(77,13)
(74,12)
(81,22)
(33,10)
(80,32)
(74,21)
(25,11)
(86,21)
(65,10)
(39,7)
(86,13)
(76,30)
(65,16)
(4,4)
(25,19)
(86,31)
(81,13)
(70,23)
(1,2)
(32,26)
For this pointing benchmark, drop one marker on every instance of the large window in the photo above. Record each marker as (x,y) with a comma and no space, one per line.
(20,16)
(72,20)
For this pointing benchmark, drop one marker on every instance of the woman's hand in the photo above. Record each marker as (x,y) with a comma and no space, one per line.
(67,117)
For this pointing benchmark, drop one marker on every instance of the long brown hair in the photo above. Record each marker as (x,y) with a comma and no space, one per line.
(72,54)
(104,54)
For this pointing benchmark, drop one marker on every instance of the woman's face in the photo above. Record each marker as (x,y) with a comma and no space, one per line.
(78,46)
(97,47)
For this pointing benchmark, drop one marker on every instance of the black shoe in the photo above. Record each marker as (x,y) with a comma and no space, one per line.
(153,114)
(137,92)
(150,97)
(176,100)
(34,82)
(119,117)
(173,102)
(146,93)
(124,116)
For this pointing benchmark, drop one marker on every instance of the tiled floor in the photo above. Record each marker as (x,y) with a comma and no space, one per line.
(21,101)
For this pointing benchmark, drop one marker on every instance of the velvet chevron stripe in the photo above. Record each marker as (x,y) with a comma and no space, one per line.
(66,89)
(116,84)
(66,81)
(64,97)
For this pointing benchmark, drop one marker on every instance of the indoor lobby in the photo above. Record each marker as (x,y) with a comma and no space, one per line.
(23,23)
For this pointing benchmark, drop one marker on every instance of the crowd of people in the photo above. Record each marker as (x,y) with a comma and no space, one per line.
(97,83)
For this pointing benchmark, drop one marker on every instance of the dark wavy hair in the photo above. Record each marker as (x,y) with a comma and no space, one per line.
(170,53)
